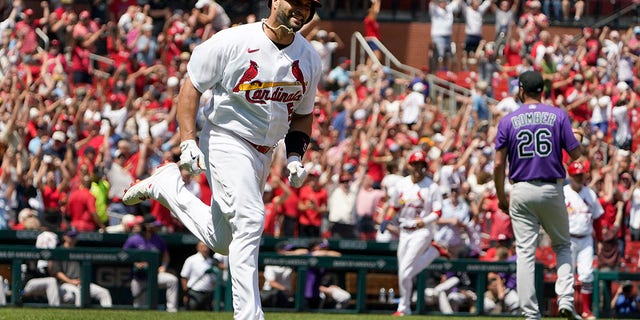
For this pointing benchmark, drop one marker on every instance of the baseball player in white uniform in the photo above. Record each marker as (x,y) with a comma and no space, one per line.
(264,77)
(583,208)
(418,202)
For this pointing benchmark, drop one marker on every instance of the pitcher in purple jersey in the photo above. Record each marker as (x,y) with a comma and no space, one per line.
(532,139)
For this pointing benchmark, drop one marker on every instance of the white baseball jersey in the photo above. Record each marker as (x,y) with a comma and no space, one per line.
(282,275)
(415,200)
(254,96)
(583,207)
(195,270)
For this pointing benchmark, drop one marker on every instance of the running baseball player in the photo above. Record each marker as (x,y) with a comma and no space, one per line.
(264,77)
(583,208)
(532,139)
(418,202)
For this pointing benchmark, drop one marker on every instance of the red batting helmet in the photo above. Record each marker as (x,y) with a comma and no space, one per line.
(315,4)
(418,156)
(576,168)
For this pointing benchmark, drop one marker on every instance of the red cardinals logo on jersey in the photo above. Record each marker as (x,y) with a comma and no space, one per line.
(259,92)
(248,75)
(297,73)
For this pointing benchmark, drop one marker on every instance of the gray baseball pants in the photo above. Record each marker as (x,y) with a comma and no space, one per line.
(533,205)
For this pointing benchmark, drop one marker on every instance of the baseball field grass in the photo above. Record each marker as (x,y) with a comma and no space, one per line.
(96,314)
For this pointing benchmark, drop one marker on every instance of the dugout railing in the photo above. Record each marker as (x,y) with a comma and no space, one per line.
(87,257)
(103,249)
(364,265)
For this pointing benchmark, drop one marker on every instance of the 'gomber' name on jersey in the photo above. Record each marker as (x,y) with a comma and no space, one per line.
(533,118)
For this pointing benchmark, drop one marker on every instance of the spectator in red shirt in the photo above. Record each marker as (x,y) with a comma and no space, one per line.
(290,213)
(81,208)
(273,220)
(26,33)
(312,205)
(372,28)
(577,100)
(52,190)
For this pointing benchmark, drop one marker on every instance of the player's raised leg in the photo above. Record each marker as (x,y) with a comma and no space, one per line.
(165,185)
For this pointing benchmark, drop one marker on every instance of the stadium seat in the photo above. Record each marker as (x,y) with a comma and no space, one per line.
(466,79)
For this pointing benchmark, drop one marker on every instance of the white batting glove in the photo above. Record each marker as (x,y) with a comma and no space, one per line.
(297,172)
(191,157)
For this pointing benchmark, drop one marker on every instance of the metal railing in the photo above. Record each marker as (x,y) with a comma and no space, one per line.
(361,51)
(607,20)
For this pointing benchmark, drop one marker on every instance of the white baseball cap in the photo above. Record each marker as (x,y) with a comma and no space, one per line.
(201,3)
(34,113)
(622,86)
(59,136)
(321,34)
(418,86)
(172,82)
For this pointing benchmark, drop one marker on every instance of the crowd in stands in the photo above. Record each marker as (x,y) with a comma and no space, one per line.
(76,130)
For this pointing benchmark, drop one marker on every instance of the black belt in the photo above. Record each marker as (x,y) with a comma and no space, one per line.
(538,181)
(578,236)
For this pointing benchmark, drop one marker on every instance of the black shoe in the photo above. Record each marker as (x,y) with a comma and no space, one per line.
(569,314)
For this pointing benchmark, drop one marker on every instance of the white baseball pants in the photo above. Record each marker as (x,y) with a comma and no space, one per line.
(233,224)
(71,294)
(414,254)
(44,286)
(165,281)
(582,256)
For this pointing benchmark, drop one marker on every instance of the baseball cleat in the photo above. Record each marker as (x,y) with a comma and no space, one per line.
(141,190)
(569,314)
(441,250)
(398,314)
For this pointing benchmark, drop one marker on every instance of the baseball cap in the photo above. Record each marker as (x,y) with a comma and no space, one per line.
(26,213)
(534,4)
(342,60)
(71,233)
(172,81)
(285,246)
(448,157)
(84,14)
(322,34)
(636,29)
(418,87)
(417,156)
(531,82)
(28,12)
(622,86)
(34,113)
(59,136)
(576,168)
(201,3)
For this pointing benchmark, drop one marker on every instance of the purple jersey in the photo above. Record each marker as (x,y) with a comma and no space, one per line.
(137,241)
(534,136)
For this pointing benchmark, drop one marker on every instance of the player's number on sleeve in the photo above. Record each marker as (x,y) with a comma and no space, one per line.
(534,143)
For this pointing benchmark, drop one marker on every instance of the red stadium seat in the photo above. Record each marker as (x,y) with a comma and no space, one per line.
(466,79)
(501,89)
